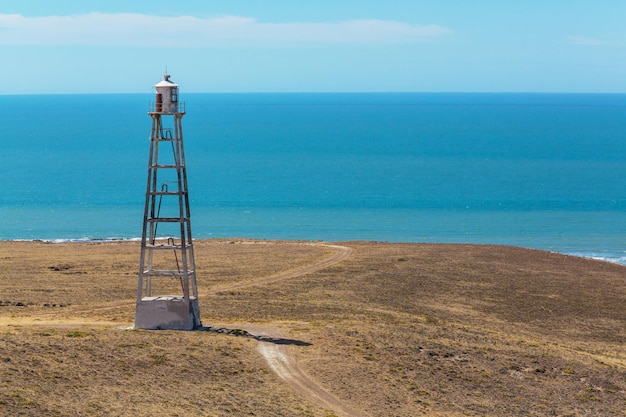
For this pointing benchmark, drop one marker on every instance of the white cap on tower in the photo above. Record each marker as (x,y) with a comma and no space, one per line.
(166,82)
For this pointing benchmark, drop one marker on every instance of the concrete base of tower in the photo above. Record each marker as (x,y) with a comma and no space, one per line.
(167,313)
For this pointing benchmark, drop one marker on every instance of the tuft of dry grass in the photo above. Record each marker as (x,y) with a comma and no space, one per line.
(394,330)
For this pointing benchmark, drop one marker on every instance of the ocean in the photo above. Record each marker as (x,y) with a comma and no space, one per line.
(543,171)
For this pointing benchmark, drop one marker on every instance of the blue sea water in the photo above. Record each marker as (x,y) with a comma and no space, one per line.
(544,171)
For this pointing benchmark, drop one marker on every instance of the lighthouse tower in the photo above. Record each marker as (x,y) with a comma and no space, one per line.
(167,294)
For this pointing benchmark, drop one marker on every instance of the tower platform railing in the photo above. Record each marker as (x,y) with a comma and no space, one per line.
(154,107)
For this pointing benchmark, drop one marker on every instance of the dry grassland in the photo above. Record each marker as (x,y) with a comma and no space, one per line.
(392,330)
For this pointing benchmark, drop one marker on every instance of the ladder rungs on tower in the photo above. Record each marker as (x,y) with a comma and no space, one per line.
(167,166)
(167,219)
(167,193)
(166,247)
(166,273)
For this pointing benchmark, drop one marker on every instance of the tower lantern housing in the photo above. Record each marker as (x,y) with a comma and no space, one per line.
(166,96)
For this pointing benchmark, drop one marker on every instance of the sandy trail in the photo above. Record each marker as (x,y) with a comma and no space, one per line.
(343,252)
(282,362)
(281,358)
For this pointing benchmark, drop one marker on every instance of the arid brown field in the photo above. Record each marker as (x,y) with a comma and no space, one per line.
(313,329)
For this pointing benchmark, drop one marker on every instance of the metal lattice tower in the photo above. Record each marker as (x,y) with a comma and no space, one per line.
(167,293)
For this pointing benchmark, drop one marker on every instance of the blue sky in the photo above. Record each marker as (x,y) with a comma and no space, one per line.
(122,46)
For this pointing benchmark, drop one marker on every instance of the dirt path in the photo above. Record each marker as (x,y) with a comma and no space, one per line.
(343,252)
(282,362)
(280,357)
